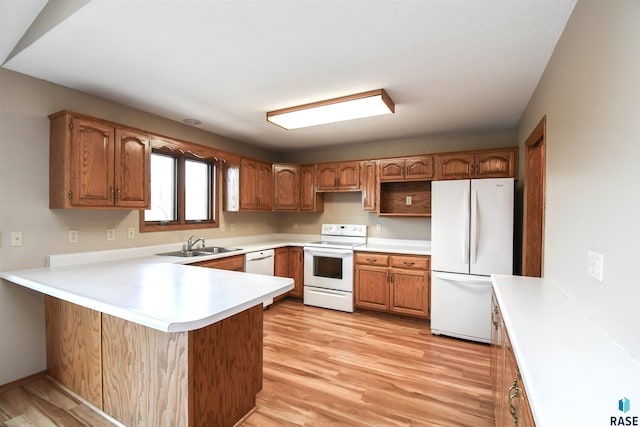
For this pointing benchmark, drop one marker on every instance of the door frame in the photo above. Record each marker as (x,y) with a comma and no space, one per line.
(534,201)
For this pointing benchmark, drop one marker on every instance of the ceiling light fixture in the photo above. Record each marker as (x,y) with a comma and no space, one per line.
(366,104)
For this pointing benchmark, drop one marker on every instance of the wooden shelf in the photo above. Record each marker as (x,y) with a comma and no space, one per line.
(393,197)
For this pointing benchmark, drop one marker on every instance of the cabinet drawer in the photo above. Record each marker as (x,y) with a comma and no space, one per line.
(368,258)
(234,263)
(412,262)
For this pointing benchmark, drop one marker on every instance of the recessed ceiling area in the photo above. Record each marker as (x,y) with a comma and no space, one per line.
(449,65)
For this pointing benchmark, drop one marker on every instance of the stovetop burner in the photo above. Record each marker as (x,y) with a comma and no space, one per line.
(342,236)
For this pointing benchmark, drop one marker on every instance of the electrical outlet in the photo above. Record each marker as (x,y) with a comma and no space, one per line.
(16,238)
(111,234)
(595,263)
(408,200)
(74,236)
(131,233)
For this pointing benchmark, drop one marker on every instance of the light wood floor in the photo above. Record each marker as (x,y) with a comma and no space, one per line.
(323,367)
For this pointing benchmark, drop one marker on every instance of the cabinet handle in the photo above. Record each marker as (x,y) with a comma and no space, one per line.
(113,193)
(409,263)
(372,260)
(338,182)
(516,393)
(391,275)
(118,194)
(494,316)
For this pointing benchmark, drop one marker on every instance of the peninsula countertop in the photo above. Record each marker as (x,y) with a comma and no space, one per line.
(161,295)
(161,292)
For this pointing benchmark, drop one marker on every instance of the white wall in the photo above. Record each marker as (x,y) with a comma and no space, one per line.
(590,93)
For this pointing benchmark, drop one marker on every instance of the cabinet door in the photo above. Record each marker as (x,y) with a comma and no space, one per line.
(296,270)
(132,169)
(285,188)
(516,408)
(495,164)
(497,362)
(455,166)
(369,171)
(409,292)
(309,200)
(281,267)
(326,177)
(264,186)
(92,164)
(417,168)
(281,262)
(248,177)
(372,288)
(349,176)
(391,169)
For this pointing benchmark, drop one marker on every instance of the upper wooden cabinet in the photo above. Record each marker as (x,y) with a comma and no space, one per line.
(342,176)
(406,168)
(369,184)
(255,185)
(285,187)
(310,200)
(97,164)
(500,163)
(294,189)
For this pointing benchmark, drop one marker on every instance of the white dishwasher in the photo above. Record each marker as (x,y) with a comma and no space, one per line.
(260,262)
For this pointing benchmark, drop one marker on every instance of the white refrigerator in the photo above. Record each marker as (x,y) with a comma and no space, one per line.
(471,238)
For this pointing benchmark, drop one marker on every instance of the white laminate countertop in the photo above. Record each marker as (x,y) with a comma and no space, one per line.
(574,373)
(160,292)
(163,296)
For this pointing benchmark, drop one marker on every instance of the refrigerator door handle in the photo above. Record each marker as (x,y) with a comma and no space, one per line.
(465,240)
(475,227)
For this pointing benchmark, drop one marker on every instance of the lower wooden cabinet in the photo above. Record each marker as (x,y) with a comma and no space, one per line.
(511,403)
(289,262)
(392,283)
(233,263)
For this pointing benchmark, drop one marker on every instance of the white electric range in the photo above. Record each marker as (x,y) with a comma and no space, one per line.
(328,266)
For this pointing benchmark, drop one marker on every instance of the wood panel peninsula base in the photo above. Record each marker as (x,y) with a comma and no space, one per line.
(145,377)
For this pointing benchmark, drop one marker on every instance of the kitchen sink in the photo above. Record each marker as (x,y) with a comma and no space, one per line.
(211,250)
(218,249)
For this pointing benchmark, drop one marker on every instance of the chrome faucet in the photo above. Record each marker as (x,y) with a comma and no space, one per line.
(191,243)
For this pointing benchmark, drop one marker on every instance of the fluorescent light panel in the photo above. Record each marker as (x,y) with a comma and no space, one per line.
(366,104)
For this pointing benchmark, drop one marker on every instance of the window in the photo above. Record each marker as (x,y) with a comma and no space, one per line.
(183,192)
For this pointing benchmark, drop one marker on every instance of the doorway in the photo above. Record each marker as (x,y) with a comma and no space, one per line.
(534,191)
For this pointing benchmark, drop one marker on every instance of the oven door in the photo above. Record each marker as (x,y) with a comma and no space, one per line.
(328,268)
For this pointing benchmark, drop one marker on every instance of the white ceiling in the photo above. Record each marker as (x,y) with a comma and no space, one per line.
(449,65)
